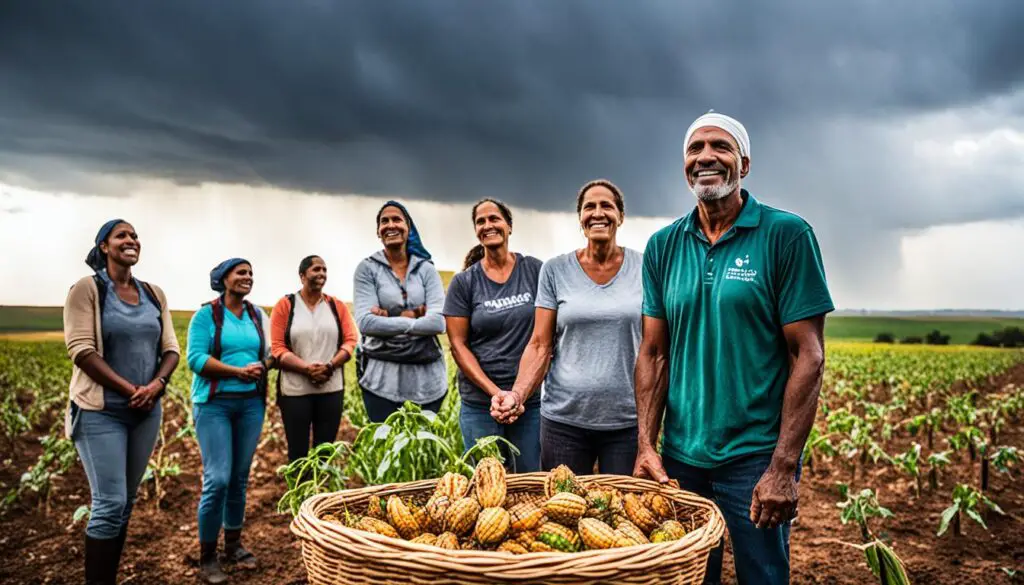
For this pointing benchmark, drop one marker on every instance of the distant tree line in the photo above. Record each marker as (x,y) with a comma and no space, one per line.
(935,337)
(1007,337)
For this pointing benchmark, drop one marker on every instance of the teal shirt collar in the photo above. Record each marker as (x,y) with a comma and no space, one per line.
(749,217)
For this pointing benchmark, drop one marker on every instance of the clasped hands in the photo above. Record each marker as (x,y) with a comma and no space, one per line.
(319,373)
(144,397)
(506,407)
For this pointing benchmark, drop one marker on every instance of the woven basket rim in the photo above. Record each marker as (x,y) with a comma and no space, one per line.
(375,548)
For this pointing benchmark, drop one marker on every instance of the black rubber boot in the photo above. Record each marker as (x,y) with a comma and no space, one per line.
(118,552)
(235,553)
(209,565)
(99,560)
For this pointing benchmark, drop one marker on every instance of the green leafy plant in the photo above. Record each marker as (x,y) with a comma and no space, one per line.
(322,470)
(818,443)
(908,463)
(58,456)
(859,508)
(1003,458)
(81,513)
(412,444)
(966,500)
(881,558)
(936,461)
(928,422)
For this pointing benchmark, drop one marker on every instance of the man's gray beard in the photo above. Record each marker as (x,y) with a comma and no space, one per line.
(714,193)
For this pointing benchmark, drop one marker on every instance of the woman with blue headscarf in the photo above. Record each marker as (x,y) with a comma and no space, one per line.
(229,355)
(398,301)
(119,334)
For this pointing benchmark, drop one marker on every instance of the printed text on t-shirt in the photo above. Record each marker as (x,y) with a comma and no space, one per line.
(508,302)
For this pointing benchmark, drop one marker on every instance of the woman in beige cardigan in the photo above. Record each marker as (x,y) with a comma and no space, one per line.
(119,335)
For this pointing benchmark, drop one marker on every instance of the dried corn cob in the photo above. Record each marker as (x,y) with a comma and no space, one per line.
(492,526)
(538,546)
(376,526)
(461,515)
(422,519)
(511,546)
(558,542)
(565,508)
(453,485)
(426,538)
(447,540)
(526,516)
(622,539)
(557,529)
(562,479)
(489,483)
(668,530)
(402,519)
(436,508)
(376,508)
(659,505)
(596,534)
(526,537)
(639,514)
(632,531)
(516,498)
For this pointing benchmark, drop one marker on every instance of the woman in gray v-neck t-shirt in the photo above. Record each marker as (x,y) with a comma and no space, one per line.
(585,343)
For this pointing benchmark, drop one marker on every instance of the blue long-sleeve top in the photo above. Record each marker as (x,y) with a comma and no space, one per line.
(240,344)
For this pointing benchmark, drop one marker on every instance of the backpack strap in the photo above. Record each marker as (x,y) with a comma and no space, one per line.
(151,295)
(291,317)
(217,309)
(333,304)
(257,320)
(101,291)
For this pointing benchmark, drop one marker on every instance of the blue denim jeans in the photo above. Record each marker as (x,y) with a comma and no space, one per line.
(228,430)
(476,422)
(114,446)
(761,556)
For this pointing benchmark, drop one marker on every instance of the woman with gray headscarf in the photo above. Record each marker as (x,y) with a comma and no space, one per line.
(229,354)
(119,334)
(398,301)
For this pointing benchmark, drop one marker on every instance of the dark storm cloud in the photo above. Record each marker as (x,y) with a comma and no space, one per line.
(524,100)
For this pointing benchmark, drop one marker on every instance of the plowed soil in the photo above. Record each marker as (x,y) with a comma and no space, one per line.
(41,545)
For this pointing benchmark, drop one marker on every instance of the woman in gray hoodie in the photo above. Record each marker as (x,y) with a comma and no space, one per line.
(398,301)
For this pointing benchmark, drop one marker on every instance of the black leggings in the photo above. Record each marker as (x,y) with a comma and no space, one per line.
(579,448)
(299,413)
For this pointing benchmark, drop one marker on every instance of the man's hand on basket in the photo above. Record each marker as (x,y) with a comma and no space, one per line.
(649,466)
(775,498)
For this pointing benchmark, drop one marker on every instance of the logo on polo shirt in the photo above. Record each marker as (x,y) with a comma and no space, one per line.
(740,272)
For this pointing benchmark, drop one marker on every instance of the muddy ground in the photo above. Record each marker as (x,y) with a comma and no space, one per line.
(42,547)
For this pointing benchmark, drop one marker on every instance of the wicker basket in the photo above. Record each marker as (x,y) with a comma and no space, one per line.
(335,554)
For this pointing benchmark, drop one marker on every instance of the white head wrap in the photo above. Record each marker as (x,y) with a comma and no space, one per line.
(730,125)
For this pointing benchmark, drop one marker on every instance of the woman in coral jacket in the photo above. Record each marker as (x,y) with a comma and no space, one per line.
(312,336)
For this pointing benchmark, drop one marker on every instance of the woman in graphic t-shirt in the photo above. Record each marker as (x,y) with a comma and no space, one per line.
(588,331)
(489,315)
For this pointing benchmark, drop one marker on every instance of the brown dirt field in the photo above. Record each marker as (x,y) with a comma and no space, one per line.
(41,547)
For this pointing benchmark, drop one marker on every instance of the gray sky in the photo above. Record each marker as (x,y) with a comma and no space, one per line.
(876,121)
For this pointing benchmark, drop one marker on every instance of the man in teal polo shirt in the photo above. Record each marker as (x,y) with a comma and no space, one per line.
(732,355)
